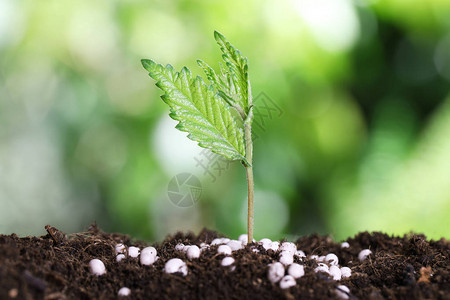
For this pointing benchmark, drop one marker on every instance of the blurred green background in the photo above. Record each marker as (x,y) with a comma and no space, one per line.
(354,119)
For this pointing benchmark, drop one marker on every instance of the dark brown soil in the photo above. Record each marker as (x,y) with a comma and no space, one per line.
(56,267)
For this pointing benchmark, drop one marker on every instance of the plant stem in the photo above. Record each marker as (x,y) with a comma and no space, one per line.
(250,217)
(249,170)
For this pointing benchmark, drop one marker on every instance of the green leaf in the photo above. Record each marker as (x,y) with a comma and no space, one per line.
(200,110)
(210,74)
(224,88)
(236,70)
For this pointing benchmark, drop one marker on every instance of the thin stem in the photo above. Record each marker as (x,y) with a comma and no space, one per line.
(249,170)
(250,217)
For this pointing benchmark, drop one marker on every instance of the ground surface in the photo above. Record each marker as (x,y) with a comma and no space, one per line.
(56,267)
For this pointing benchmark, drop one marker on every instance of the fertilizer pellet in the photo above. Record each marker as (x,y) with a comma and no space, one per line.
(290,247)
(235,245)
(300,253)
(342,292)
(179,247)
(119,257)
(217,241)
(227,261)
(176,265)
(147,258)
(224,249)
(296,270)
(276,272)
(286,258)
(97,267)
(133,251)
(335,272)
(346,272)
(243,238)
(120,248)
(364,254)
(345,245)
(287,282)
(273,246)
(150,250)
(265,241)
(332,259)
(322,268)
(193,252)
(123,292)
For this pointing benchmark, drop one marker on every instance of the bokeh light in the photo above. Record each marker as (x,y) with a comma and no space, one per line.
(353,133)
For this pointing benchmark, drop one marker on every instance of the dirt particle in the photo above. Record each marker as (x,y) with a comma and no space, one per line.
(13,293)
(425,273)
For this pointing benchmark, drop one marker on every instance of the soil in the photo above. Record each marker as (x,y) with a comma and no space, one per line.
(55,266)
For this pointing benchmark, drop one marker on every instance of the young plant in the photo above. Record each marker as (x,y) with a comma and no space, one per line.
(219,114)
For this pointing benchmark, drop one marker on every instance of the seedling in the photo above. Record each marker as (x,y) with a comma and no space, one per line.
(219,114)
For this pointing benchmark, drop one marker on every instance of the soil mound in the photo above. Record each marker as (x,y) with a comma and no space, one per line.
(56,266)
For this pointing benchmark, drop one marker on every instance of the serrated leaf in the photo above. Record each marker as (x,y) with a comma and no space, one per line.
(210,74)
(223,87)
(237,68)
(200,110)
